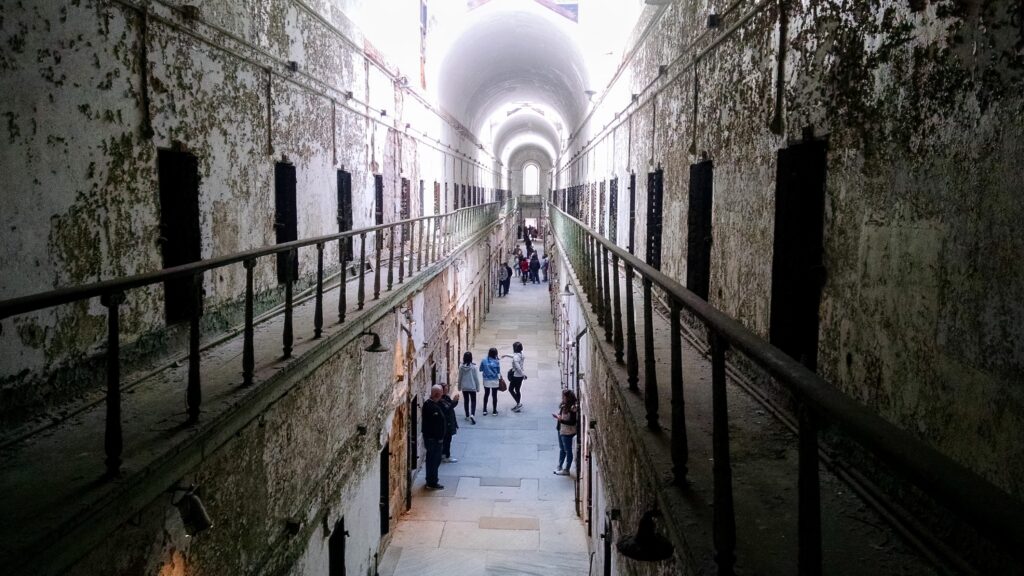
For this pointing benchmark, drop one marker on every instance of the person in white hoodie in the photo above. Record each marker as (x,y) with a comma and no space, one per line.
(469,383)
(516,375)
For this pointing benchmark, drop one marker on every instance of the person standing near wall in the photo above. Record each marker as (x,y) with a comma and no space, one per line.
(508,278)
(504,276)
(448,404)
(544,267)
(469,384)
(535,269)
(516,375)
(491,369)
(567,427)
(435,427)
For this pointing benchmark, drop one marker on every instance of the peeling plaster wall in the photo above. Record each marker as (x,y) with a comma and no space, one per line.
(81,191)
(921,104)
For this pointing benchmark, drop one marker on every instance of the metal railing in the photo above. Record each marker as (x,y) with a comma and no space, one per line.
(428,240)
(596,262)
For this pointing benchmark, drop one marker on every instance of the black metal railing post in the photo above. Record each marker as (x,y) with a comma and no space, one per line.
(248,352)
(617,336)
(113,439)
(344,246)
(724,516)
(419,250)
(287,334)
(318,309)
(680,444)
(361,295)
(391,257)
(632,357)
(650,364)
(194,395)
(809,492)
(404,230)
(378,248)
(606,290)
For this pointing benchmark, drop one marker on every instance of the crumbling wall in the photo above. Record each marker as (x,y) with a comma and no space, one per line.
(920,104)
(98,87)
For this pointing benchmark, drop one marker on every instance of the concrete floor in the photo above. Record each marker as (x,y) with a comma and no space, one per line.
(502,511)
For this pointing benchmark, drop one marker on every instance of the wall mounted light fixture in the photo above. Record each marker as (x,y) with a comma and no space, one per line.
(647,545)
(374,346)
(193,513)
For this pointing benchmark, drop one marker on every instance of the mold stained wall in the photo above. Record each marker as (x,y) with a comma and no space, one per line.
(921,104)
(81,193)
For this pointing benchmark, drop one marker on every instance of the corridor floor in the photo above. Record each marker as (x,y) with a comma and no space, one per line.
(502,511)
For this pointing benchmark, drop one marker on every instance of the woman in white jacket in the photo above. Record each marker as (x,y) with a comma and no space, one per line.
(516,375)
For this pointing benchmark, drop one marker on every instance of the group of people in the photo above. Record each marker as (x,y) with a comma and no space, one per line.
(528,267)
(440,422)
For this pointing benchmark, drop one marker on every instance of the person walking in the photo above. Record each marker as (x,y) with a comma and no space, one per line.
(508,278)
(435,427)
(448,405)
(503,276)
(544,267)
(535,269)
(469,384)
(524,269)
(491,369)
(516,375)
(567,428)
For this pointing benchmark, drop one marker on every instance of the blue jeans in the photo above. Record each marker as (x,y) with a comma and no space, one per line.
(434,448)
(565,450)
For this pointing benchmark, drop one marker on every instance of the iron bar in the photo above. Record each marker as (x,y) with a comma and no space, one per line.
(401,254)
(344,249)
(287,335)
(680,445)
(809,490)
(391,258)
(318,311)
(193,394)
(650,366)
(632,360)
(606,290)
(378,248)
(724,517)
(248,353)
(113,440)
(617,336)
(361,297)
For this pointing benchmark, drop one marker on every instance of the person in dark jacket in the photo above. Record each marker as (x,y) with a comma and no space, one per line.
(535,269)
(567,427)
(508,278)
(448,404)
(435,428)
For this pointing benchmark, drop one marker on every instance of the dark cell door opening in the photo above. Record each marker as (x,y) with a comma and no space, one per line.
(654,208)
(437,198)
(698,221)
(286,225)
(404,208)
(798,271)
(456,200)
(423,199)
(600,208)
(178,173)
(613,210)
(632,214)
(336,549)
(413,460)
(378,199)
(345,209)
(385,489)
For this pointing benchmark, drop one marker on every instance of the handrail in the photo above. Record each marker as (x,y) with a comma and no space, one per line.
(49,299)
(992,511)
(430,239)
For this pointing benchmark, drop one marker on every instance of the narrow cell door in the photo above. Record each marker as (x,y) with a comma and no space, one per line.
(654,217)
(336,549)
(286,226)
(798,271)
(385,489)
(345,210)
(414,447)
(698,224)
(178,174)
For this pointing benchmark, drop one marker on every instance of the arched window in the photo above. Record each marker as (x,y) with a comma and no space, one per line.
(531,179)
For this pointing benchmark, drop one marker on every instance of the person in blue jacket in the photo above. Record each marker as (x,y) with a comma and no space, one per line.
(491,368)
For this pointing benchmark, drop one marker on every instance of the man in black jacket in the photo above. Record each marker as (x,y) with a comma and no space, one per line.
(435,428)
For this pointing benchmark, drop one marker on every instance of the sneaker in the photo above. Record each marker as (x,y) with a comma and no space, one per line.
(435,487)
(472,420)
(485,412)
(557,471)
(449,460)
(517,407)
(563,472)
